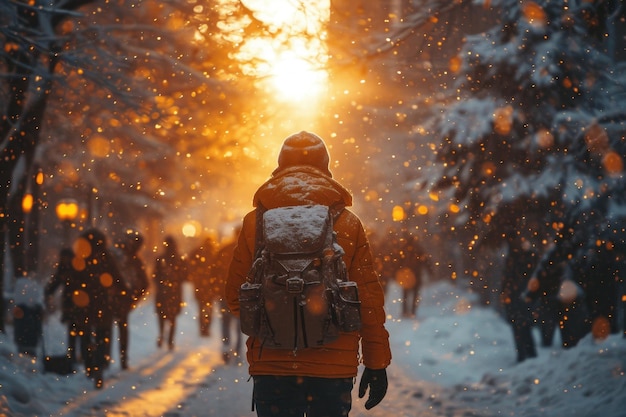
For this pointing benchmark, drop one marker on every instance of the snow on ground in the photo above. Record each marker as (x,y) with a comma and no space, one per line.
(455,360)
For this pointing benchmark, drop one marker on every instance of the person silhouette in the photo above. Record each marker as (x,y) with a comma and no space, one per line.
(72,316)
(98,277)
(314,380)
(201,273)
(136,279)
(168,277)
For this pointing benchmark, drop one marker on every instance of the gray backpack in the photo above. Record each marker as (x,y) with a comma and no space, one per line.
(297,294)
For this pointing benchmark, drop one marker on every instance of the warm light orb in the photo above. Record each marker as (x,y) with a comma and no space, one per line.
(191,229)
(398,214)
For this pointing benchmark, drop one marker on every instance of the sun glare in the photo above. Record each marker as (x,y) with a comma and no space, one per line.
(297,15)
(290,65)
(295,78)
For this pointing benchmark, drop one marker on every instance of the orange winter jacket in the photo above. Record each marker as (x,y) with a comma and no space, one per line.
(303,185)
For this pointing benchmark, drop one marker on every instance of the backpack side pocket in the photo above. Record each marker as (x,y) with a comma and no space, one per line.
(348,306)
(250,305)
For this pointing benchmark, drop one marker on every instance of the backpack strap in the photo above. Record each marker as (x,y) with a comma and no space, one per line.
(258,232)
(335,211)
(253,275)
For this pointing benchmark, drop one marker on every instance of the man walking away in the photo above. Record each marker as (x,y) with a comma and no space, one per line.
(315,381)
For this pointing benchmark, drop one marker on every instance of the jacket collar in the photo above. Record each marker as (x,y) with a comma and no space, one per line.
(301,185)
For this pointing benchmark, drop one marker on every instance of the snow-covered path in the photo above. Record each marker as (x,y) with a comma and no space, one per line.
(455,360)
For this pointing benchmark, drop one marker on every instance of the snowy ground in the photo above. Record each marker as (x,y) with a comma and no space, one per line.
(454,360)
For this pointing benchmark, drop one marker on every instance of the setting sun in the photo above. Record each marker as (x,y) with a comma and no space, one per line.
(289,64)
(295,78)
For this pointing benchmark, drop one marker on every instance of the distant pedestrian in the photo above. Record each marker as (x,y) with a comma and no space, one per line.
(519,264)
(602,284)
(72,315)
(412,262)
(231,332)
(546,313)
(168,277)
(136,279)
(558,280)
(98,276)
(575,321)
(381,259)
(206,288)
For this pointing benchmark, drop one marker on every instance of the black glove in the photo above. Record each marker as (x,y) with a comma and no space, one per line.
(376,379)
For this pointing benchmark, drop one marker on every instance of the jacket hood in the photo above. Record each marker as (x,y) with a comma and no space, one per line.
(301,185)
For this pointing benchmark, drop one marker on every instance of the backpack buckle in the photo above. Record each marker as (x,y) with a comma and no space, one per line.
(295,285)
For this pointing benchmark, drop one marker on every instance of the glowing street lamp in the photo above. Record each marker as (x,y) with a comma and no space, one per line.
(27,203)
(67,211)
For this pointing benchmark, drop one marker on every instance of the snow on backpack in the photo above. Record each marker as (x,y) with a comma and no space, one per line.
(297,293)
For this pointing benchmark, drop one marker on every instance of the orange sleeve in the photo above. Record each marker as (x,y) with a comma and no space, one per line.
(360,261)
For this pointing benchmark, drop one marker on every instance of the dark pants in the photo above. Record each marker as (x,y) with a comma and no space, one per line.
(295,396)
(520,318)
(171,331)
(27,327)
(411,300)
(94,346)
(76,335)
(547,317)
(205,316)
(122,327)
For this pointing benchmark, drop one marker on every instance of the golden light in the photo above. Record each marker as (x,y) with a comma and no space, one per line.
(78,263)
(601,328)
(371,195)
(193,364)
(423,210)
(27,203)
(534,14)
(298,16)
(533,284)
(191,229)
(405,278)
(80,298)
(296,79)
(106,280)
(291,64)
(67,210)
(613,163)
(99,146)
(398,214)
(488,168)
(82,248)
(455,64)
(503,120)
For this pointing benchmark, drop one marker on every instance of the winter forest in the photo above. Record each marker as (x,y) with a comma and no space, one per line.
(491,131)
